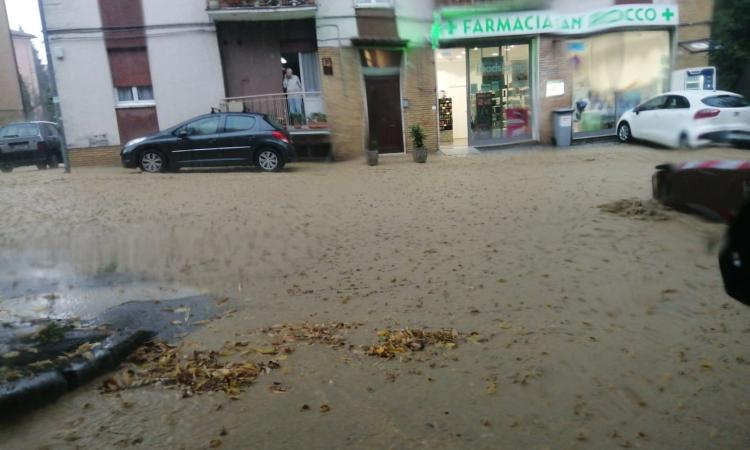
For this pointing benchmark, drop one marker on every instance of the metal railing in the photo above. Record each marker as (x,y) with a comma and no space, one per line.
(303,109)
(219,4)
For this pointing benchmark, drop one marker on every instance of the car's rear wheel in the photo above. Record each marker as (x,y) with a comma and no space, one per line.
(7,168)
(623,132)
(269,160)
(153,161)
(683,142)
(54,161)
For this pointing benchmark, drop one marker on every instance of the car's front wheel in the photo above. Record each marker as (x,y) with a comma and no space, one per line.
(623,132)
(7,168)
(152,161)
(269,160)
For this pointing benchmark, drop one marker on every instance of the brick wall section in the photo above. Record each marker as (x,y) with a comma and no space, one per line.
(553,65)
(420,89)
(693,17)
(100,156)
(343,95)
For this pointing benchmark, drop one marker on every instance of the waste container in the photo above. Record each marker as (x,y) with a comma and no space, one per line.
(563,125)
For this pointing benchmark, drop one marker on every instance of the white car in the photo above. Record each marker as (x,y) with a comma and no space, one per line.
(688,119)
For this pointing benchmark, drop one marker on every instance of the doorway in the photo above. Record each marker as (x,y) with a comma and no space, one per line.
(484,95)
(384,112)
(499,94)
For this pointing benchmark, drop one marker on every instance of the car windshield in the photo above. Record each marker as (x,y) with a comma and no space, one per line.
(19,130)
(726,101)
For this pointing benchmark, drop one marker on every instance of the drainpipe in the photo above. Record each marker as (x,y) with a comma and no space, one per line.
(53,85)
(341,53)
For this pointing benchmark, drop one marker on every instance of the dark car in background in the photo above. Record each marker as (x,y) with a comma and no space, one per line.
(30,144)
(217,139)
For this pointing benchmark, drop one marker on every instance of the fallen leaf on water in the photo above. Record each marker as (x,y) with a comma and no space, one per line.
(324,408)
(223,432)
(278,388)
(492,388)
(305,407)
(215,443)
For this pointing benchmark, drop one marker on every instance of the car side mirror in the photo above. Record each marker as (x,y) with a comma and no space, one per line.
(182,134)
(637,110)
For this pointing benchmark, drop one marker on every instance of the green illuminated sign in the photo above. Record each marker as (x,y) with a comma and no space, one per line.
(486,24)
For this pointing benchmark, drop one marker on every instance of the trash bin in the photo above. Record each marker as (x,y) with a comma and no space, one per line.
(563,125)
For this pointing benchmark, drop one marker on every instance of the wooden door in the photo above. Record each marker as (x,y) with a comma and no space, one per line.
(384,113)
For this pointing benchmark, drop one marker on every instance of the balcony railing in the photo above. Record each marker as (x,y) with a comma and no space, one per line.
(311,109)
(221,4)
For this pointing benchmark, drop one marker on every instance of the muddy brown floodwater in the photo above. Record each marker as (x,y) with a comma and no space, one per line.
(592,329)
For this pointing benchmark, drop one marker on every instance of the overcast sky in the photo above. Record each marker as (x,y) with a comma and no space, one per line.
(25,14)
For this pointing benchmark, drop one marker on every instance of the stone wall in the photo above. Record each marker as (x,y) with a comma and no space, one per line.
(553,65)
(420,90)
(99,156)
(695,24)
(343,96)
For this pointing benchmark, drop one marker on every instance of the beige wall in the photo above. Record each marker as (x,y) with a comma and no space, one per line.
(11,108)
(695,24)
(27,70)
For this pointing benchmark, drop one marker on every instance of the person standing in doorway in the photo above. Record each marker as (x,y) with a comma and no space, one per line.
(293,89)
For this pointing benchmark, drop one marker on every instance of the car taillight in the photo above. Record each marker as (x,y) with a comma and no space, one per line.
(706,113)
(280,136)
(41,146)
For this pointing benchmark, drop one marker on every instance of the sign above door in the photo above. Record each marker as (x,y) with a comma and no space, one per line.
(454,25)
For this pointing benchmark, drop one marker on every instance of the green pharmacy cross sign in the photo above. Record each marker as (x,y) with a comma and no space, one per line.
(487,24)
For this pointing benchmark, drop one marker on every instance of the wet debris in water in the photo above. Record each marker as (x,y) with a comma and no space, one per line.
(637,209)
(331,334)
(395,342)
(196,373)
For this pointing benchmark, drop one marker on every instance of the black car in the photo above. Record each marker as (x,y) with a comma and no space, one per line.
(217,139)
(29,144)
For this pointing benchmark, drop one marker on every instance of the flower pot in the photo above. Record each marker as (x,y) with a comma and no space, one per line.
(372,157)
(420,155)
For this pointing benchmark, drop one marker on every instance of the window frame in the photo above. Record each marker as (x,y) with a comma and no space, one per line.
(219,126)
(241,116)
(136,102)
(385,4)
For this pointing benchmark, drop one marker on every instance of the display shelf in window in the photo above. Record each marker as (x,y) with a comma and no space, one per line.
(445,110)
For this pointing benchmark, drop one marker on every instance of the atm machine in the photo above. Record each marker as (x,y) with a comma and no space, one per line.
(694,79)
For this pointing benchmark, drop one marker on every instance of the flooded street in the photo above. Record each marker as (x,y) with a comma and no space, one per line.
(579,328)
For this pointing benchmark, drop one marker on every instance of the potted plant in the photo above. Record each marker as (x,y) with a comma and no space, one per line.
(417,136)
(372,153)
(318,120)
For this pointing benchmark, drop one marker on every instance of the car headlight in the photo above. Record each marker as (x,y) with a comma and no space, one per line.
(135,141)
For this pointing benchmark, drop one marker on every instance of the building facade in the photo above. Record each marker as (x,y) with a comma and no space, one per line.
(27,70)
(11,105)
(125,68)
(503,68)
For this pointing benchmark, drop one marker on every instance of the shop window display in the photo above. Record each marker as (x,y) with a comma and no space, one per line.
(613,73)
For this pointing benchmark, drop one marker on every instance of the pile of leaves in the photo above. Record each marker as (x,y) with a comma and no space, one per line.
(637,209)
(196,373)
(394,342)
(331,334)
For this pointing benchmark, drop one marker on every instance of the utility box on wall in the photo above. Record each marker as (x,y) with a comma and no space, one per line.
(694,79)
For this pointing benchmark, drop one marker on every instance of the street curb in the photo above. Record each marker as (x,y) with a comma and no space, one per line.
(30,393)
(106,358)
(26,394)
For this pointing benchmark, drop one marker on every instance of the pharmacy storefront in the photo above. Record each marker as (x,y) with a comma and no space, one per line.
(501,74)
